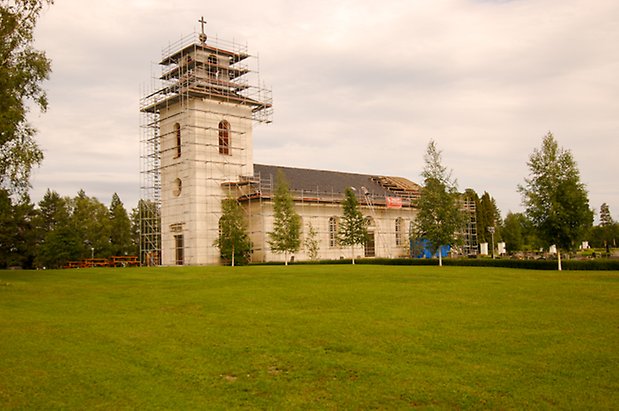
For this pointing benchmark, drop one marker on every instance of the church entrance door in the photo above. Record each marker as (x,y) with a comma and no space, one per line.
(370,245)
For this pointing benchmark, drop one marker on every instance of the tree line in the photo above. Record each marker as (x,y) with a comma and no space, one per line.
(61,229)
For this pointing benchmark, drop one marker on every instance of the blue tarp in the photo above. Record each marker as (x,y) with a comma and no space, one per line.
(420,249)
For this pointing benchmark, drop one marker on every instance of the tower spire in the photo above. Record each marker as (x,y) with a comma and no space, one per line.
(202,34)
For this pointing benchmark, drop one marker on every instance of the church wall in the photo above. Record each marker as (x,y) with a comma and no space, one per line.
(261,220)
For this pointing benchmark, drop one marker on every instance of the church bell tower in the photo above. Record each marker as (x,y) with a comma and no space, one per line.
(196,143)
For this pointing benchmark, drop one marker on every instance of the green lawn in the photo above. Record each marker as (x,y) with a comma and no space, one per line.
(309,337)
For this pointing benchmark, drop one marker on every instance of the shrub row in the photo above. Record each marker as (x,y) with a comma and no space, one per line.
(592,265)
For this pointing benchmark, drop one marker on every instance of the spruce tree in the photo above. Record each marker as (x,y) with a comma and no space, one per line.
(120,228)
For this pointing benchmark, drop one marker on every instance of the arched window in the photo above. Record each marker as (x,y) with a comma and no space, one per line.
(333,232)
(399,222)
(177,135)
(224,137)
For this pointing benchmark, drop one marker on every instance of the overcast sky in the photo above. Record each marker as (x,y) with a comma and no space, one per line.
(358,86)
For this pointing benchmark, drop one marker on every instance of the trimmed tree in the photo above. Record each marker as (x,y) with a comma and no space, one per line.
(286,235)
(555,199)
(353,228)
(439,218)
(233,241)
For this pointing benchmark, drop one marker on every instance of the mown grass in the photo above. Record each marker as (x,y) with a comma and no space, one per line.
(309,337)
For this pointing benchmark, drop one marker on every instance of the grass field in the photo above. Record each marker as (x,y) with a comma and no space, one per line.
(309,337)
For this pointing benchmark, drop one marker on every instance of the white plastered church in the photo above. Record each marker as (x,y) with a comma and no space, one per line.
(197,149)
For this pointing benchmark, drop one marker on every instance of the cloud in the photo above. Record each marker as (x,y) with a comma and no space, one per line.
(359,86)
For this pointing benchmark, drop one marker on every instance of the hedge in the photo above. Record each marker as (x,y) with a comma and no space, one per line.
(590,265)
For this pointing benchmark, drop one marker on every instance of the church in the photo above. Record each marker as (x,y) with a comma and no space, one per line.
(197,149)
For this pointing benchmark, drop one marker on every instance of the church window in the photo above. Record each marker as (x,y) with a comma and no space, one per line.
(333,232)
(177,135)
(179,249)
(398,231)
(224,137)
(178,187)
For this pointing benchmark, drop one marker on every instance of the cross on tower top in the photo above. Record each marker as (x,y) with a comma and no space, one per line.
(202,34)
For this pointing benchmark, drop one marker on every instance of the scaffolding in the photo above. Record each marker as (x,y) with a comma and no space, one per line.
(469,234)
(192,69)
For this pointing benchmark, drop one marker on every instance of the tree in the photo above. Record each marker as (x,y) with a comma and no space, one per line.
(513,227)
(120,228)
(608,229)
(353,228)
(17,231)
(311,242)
(605,217)
(286,235)
(90,221)
(556,201)
(58,243)
(233,241)
(439,217)
(22,69)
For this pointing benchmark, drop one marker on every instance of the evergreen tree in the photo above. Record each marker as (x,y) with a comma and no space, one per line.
(286,235)
(513,236)
(58,243)
(22,69)
(7,230)
(609,229)
(439,217)
(490,219)
(605,217)
(120,228)
(91,222)
(353,228)
(233,241)
(555,199)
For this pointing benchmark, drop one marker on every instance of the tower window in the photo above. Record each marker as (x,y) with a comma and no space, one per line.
(178,187)
(224,137)
(177,134)
(179,249)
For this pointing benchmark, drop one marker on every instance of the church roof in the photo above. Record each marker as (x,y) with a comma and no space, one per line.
(321,183)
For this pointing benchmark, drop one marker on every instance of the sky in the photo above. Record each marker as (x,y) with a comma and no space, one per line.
(358,86)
